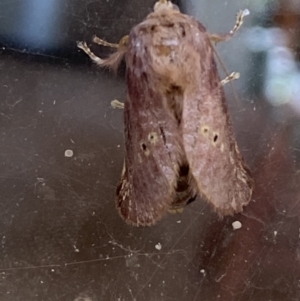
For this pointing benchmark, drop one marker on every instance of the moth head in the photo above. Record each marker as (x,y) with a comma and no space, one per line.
(165,4)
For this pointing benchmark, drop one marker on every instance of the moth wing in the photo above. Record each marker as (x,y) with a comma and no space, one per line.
(148,181)
(153,149)
(212,152)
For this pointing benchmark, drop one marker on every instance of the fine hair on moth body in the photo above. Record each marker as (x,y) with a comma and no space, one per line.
(179,139)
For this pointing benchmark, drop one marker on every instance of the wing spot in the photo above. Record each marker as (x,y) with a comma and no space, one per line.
(215,138)
(204,130)
(153,137)
(145,149)
(222,147)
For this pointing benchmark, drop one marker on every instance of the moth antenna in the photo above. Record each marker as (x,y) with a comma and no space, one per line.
(239,20)
(230,77)
(226,72)
(238,23)
(218,38)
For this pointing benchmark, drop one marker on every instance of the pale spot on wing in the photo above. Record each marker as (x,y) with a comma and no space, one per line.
(204,130)
(153,137)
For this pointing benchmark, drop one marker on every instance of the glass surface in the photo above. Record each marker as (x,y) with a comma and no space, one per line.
(62,151)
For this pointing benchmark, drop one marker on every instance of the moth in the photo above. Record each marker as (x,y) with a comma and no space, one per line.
(178,135)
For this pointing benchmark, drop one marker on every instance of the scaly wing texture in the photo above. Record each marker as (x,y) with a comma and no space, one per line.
(211,150)
(153,142)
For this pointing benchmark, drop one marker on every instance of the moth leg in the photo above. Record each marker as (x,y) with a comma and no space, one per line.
(117,104)
(230,77)
(121,45)
(87,50)
(101,42)
(113,59)
(239,21)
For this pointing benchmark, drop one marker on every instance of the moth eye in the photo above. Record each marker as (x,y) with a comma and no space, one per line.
(152,137)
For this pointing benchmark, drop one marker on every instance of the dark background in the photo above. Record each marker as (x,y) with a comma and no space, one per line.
(61,237)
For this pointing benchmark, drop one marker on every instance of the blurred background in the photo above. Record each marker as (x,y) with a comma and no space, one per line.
(62,149)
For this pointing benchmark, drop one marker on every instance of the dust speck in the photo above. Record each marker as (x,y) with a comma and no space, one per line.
(158,246)
(236,225)
(69,153)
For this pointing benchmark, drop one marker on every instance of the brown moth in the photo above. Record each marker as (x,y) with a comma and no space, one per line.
(178,134)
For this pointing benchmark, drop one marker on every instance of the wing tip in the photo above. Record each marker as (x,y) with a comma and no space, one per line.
(135,213)
(138,219)
(234,207)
